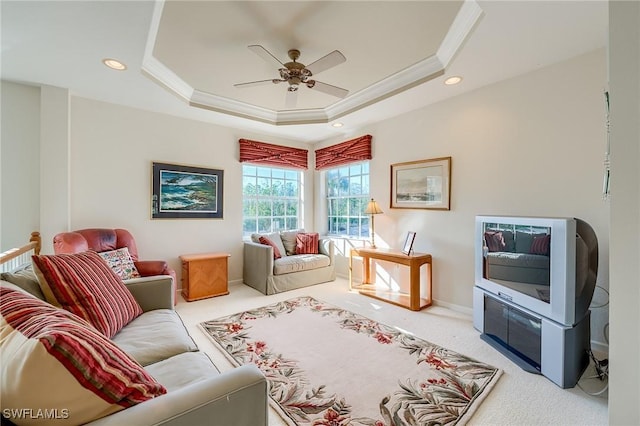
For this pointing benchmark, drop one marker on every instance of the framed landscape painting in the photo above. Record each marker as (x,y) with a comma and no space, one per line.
(423,184)
(186,192)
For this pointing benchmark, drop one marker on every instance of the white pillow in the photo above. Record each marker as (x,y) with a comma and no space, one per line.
(289,240)
(274,237)
(121,262)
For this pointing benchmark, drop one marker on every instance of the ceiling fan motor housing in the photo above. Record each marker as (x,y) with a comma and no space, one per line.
(296,73)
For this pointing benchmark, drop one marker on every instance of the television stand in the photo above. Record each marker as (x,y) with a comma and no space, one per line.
(535,343)
(508,352)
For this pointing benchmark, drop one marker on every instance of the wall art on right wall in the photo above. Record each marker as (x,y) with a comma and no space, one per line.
(422,184)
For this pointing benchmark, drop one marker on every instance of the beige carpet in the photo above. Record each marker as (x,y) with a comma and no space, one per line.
(301,345)
(519,398)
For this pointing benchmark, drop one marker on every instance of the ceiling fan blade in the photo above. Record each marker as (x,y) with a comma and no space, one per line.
(291,99)
(329,89)
(266,55)
(329,61)
(256,83)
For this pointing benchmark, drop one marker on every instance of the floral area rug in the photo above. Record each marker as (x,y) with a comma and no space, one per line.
(328,366)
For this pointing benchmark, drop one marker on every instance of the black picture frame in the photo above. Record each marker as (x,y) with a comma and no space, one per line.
(407,248)
(186,192)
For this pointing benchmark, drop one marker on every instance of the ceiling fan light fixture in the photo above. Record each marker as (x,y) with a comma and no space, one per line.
(114,64)
(453,80)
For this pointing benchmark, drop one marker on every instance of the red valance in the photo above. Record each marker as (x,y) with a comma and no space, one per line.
(353,150)
(272,155)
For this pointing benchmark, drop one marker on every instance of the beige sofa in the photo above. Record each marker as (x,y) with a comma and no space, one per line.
(197,393)
(270,276)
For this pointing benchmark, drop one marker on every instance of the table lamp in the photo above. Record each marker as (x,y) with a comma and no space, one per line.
(372,209)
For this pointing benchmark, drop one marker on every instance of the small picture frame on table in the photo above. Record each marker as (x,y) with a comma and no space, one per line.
(407,248)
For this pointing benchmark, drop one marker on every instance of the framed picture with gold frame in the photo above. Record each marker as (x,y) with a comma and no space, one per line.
(423,184)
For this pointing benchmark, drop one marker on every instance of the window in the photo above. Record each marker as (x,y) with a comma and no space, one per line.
(347,196)
(272,199)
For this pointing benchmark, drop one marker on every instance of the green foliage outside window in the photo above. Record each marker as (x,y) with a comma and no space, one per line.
(271,199)
(347,196)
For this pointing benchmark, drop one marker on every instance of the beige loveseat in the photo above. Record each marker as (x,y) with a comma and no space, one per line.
(197,393)
(270,276)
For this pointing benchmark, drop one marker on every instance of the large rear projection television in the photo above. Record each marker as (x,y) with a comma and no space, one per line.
(534,280)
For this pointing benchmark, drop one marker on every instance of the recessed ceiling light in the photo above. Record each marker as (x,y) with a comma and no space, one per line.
(114,64)
(453,80)
(337,124)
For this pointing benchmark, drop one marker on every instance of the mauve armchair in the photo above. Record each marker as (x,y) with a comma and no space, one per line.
(103,239)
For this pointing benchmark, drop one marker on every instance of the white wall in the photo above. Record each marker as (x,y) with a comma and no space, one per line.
(55,142)
(20,164)
(529,146)
(624,82)
(112,149)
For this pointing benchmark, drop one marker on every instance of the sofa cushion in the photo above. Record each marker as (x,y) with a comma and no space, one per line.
(154,336)
(307,243)
(524,241)
(182,370)
(520,260)
(289,240)
(509,241)
(300,262)
(121,262)
(266,241)
(25,278)
(274,237)
(52,359)
(84,284)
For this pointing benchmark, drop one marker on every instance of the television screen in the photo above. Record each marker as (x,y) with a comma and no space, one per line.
(517,256)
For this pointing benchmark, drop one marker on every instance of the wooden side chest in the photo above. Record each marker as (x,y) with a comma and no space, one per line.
(204,275)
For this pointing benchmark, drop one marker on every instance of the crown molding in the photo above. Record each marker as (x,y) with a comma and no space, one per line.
(461,28)
(425,70)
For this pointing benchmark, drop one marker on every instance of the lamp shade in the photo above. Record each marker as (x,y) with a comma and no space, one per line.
(372,208)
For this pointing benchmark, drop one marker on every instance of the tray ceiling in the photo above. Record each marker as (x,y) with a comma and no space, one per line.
(199,51)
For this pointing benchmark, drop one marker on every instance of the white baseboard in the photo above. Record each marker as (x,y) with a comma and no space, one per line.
(600,348)
(456,308)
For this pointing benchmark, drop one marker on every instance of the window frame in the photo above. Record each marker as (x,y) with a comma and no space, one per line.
(280,174)
(342,197)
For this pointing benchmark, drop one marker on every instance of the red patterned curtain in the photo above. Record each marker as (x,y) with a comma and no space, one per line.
(353,150)
(272,155)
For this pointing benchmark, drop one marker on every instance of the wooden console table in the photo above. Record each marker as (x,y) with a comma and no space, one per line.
(204,275)
(413,300)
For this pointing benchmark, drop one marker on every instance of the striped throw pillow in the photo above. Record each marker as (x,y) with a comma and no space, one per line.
(50,358)
(540,245)
(307,243)
(83,283)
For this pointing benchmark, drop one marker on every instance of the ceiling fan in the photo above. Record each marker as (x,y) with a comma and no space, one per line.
(296,73)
